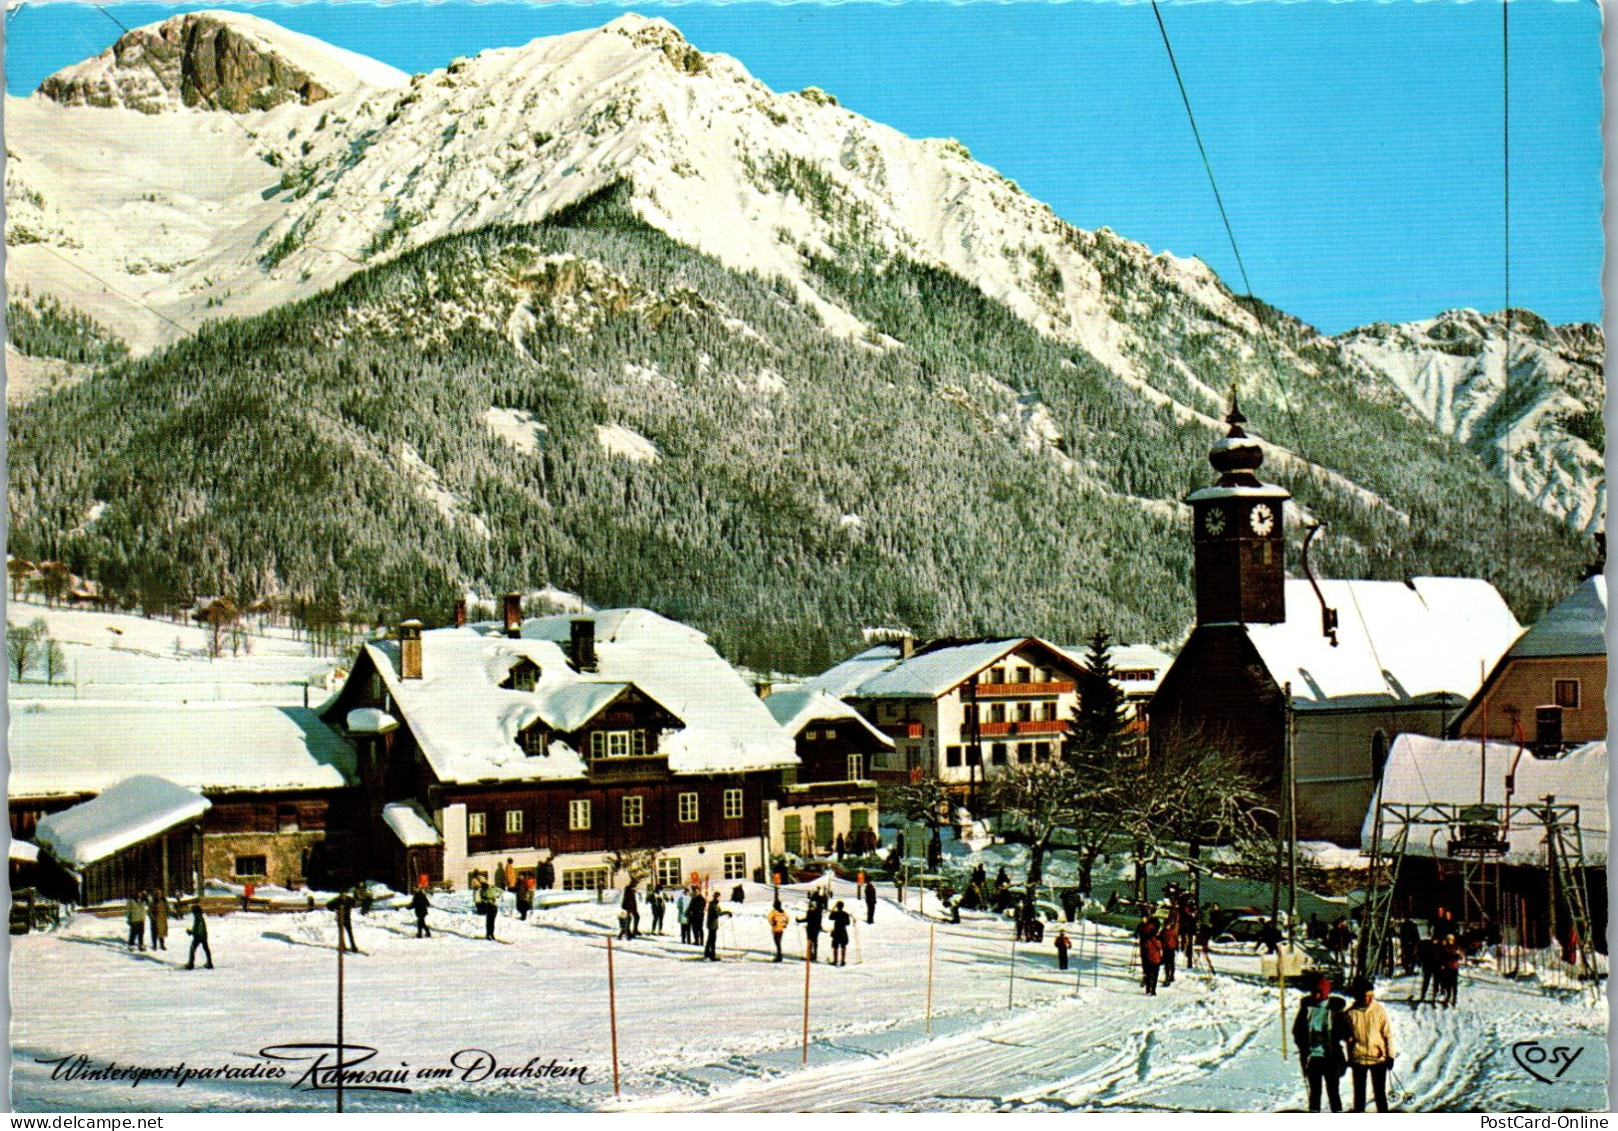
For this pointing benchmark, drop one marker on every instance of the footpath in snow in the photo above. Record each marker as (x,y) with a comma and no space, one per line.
(696,1035)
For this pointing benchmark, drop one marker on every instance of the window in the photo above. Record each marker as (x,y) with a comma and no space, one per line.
(634,811)
(856,767)
(376,689)
(1025,712)
(733,804)
(1042,752)
(997,753)
(735,865)
(669,871)
(578,814)
(618,744)
(513,820)
(286,818)
(997,712)
(524,676)
(688,807)
(584,879)
(974,755)
(952,755)
(859,819)
(1047,711)
(792,834)
(997,675)
(1025,753)
(969,714)
(1024,675)
(477,824)
(252,866)
(1567,693)
(534,741)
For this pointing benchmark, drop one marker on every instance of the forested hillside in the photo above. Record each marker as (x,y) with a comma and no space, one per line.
(588,404)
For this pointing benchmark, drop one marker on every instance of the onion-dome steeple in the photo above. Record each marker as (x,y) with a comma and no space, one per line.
(1238,455)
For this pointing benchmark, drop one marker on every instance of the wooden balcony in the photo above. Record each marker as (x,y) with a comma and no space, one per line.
(1014,729)
(901,730)
(1023,690)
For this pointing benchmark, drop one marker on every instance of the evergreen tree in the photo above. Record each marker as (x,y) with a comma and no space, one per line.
(1100,724)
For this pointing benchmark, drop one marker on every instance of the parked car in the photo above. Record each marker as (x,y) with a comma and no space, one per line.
(1244,930)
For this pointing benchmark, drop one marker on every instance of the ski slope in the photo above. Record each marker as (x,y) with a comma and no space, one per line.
(725,1036)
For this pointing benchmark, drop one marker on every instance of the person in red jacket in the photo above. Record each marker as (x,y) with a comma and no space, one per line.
(1063,945)
(1171,943)
(1151,956)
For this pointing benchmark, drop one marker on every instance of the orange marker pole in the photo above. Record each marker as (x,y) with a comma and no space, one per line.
(807,967)
(612,1014)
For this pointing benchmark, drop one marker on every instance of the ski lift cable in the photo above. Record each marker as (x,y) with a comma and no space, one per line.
(1230,233)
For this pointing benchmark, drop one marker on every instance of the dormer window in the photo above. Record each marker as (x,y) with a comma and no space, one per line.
(618,744)
(524,676)
(535,741)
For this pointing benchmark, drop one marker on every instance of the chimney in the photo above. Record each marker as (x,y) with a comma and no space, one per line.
(907,646)
(460,613)
(1547,731)
(410,650)
(582,646)
(763,687)
(514,615)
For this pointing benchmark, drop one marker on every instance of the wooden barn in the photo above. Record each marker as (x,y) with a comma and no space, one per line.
(142,834)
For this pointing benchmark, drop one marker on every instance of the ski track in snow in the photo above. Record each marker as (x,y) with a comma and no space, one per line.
(726,1037)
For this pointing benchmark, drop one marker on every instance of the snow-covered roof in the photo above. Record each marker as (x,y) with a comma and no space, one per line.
(1130,658)
(66,747)
(1576,627)
(410,824)
(878,673)
(796,707)
(1422,770)
(467,725)
(371,720)
(23,852)
(1430,638)
(134,810)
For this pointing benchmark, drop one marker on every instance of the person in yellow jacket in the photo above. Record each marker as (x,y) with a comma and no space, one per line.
(778,921)
(1370,1045)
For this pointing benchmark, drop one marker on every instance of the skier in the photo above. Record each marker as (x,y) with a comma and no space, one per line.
(509,874)
(1431,959)
(778,921)
(870,903)
(715,911)
(1151,956)
(135,915)
(525,897)
(1063,945)
(159,916)
(631,907)
(343,907)
(699,910)
(419,904)
(1370,1045)
(811,929)
(545,875)
(1409,946)
(489,903)
(658,903)
(682,905)
(1449,971)
(199,937)
(1318,1031)
(839,935)
(1171,943)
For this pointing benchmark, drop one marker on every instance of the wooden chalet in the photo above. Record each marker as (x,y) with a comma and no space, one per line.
(575,740)
(142,834)
(832,794)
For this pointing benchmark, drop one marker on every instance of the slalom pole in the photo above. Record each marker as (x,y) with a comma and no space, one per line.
(808,966)
(339,1012)
(931,928)
(612,1014)
(1011,984)
(859,949)
(1281,988)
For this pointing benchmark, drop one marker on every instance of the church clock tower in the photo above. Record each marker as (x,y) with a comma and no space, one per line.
(1239,527)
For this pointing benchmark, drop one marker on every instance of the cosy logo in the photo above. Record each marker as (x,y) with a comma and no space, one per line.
(1537,1059)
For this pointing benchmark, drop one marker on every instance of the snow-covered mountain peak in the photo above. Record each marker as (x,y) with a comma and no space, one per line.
(215,60)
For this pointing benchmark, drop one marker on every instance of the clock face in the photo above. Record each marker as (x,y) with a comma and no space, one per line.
(1262,519)
(1213,522)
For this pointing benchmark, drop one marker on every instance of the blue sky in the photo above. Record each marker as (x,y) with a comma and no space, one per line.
(1357,144)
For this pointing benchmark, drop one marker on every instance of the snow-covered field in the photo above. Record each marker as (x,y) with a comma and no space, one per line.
(726,1036)
(122,656)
